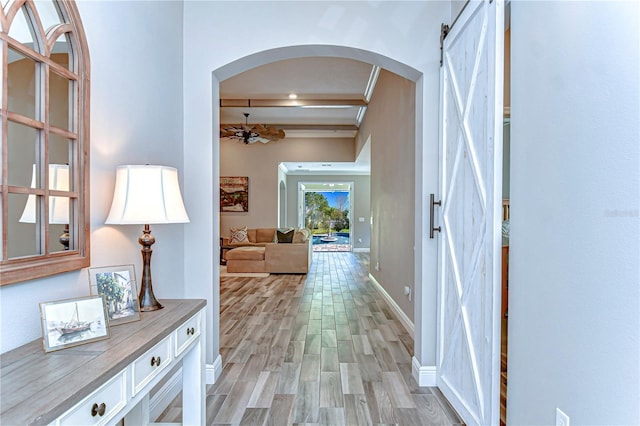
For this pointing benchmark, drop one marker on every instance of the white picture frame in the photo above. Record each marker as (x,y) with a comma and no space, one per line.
(72,322)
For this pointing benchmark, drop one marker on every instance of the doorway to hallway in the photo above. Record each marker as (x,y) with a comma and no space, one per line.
(325,209)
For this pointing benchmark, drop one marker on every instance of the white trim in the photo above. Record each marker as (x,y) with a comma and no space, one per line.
(213,371)
(361,250)
(424,375)
(167,393)
(404,319)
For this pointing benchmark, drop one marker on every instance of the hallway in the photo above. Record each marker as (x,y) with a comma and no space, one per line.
(324,350)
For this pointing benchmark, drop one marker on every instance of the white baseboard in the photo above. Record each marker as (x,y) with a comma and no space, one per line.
(424,375)
(167,393)
(213,371)
(361,250)
(404,319)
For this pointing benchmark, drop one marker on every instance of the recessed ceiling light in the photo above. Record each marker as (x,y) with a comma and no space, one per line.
(293,96)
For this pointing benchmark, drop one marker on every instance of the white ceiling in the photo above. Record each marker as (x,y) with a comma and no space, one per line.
(332,94)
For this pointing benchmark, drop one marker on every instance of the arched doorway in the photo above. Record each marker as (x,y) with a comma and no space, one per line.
(424,348)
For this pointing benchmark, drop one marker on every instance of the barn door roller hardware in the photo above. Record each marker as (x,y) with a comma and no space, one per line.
(444,30)
(432,204)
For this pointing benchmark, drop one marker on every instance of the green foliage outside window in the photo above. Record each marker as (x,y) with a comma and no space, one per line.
(321,218)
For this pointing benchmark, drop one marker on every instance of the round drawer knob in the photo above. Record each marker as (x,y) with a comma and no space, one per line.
(98,410)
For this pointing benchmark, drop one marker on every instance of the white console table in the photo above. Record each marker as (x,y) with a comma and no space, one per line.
(101,383)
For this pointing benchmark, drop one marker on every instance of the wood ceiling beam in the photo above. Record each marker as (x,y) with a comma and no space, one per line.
(292,103)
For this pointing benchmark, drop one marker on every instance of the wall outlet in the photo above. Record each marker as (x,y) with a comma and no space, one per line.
(407,292)
(359,240)
(561,418)
(377,267)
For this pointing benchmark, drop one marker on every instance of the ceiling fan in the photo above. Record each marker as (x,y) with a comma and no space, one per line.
(251,133)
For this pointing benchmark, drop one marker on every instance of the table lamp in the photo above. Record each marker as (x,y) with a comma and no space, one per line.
(58,206)
(143,195)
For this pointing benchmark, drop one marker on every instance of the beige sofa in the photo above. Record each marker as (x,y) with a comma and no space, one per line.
(262,254)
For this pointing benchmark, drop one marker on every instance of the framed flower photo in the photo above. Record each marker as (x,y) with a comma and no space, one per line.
(73,322)
(118,286)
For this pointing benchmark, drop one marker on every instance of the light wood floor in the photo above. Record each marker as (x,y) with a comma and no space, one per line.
(321,348)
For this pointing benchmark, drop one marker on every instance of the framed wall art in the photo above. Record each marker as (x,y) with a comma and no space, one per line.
(73,322)
(234,193)
(118,286)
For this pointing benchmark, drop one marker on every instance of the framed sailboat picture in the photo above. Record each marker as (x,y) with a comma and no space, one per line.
(73,322)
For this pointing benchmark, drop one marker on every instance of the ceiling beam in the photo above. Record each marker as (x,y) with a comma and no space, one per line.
(293,103)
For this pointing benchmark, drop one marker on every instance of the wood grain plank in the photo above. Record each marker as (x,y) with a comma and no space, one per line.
(307,403)
(356,410)
(264,390)
(255,416)
(351,379)
(331,416)
(329,360)
(331,390)
(234,406)
(281,411)
(397,390)
(288,378)
(310,370)
(329,339)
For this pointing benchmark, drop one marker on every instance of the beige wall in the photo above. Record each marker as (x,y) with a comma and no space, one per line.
(390,124)
(260,163)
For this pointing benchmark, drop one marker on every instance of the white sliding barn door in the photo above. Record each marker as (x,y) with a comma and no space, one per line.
(470,240)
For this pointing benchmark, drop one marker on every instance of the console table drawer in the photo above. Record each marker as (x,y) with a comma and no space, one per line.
(151,364)
(187,333)
(99,407)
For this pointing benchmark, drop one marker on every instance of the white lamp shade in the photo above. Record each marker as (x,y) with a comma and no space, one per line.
(146,194)
(58,206)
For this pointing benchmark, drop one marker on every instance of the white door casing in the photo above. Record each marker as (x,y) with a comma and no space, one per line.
(470,183)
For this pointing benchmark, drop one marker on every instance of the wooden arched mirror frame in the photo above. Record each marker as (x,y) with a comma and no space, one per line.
(44,187)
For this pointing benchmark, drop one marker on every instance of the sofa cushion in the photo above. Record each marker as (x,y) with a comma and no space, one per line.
(285,235)
(301,235)
(251,234)
(238,235)
(245,253)
(265,235)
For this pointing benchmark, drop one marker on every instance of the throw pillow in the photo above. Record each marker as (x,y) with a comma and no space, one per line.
(301,235)
(285,235)
(238,235)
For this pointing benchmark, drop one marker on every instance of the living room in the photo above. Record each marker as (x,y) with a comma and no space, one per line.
(385,196)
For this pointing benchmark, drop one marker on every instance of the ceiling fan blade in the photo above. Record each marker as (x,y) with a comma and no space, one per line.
(251,133)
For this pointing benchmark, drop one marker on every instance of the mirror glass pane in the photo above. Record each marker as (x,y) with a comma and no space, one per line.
(62,52)
(60,150)
(21,85)
(48,13)
(59,95)
(58,221)
(23,238)
(21,30)
(22,142)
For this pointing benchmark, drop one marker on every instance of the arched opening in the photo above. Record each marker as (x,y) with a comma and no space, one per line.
(424,340)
